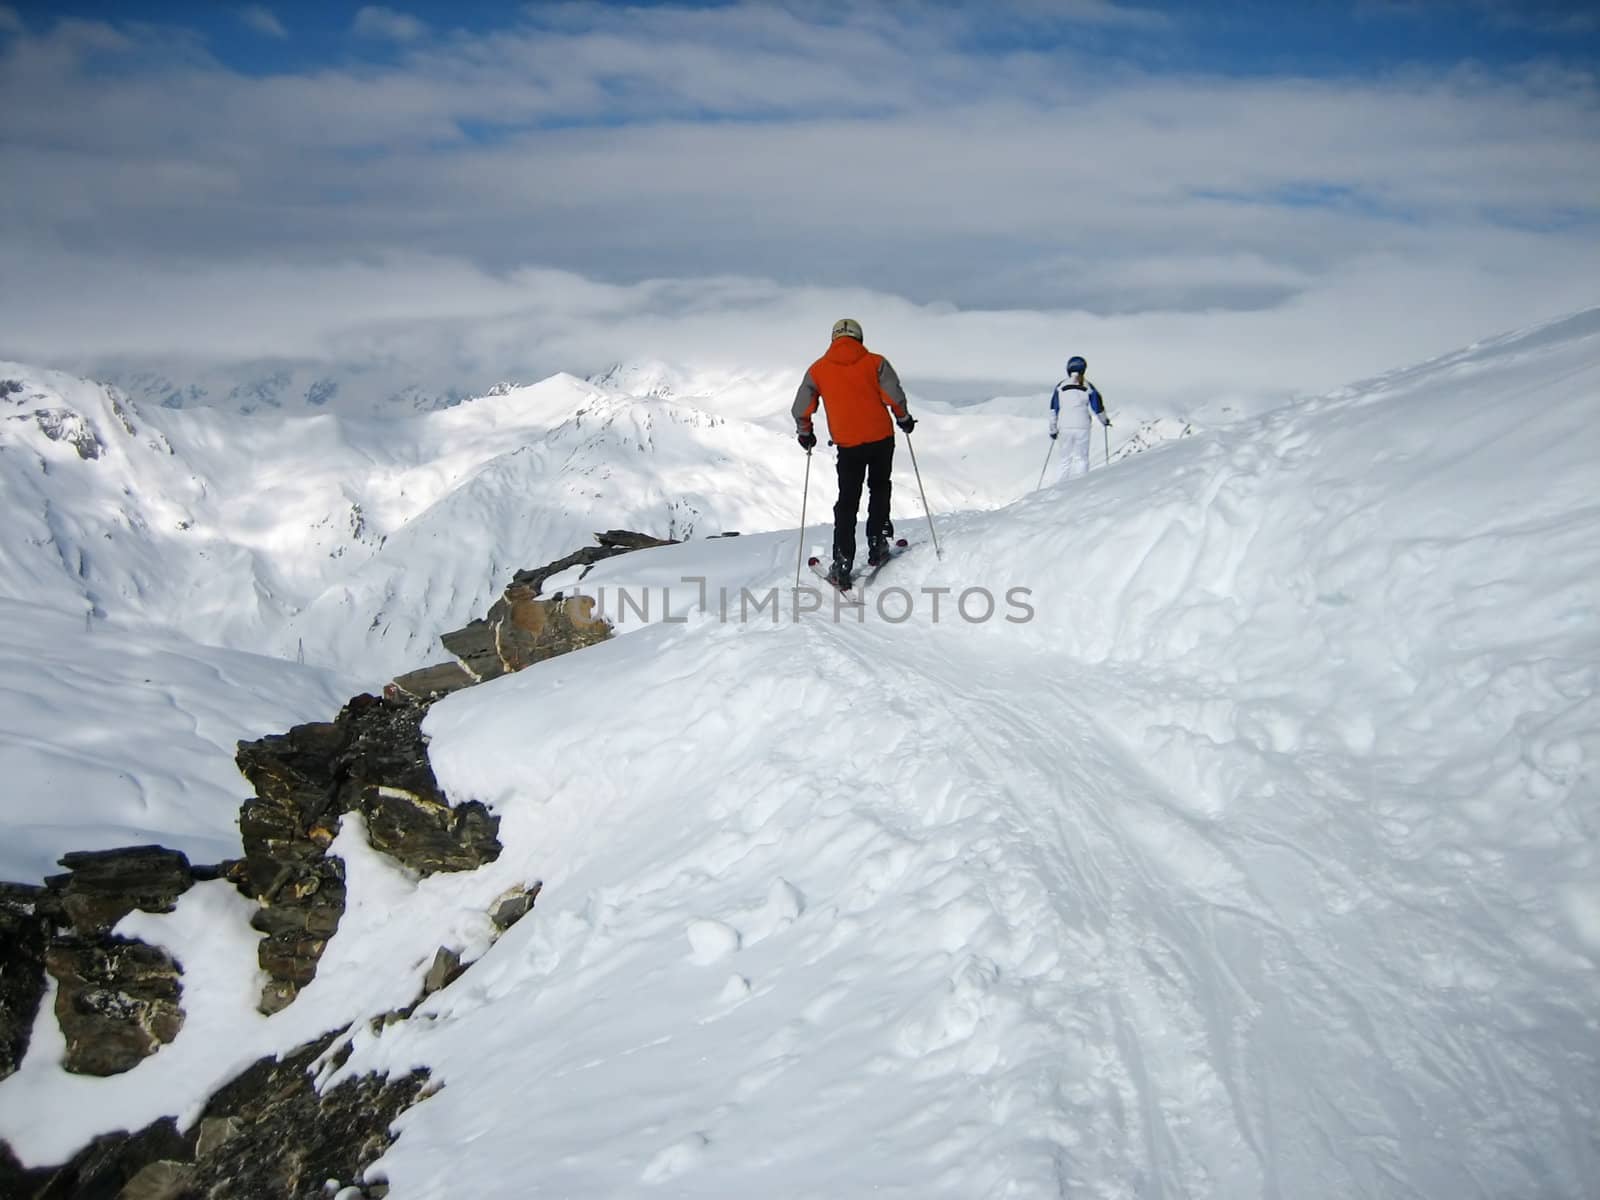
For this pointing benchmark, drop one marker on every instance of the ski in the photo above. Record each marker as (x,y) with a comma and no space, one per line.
(846,594)
(896,549)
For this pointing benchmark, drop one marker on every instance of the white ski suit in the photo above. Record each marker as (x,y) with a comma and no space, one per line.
(1070,407)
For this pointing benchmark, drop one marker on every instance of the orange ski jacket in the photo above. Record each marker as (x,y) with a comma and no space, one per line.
(858,390)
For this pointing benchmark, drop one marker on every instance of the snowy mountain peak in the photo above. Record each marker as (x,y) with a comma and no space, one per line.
(653,379)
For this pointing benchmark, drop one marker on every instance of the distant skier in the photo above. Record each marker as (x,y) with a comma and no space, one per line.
(859,390)
(1071,404)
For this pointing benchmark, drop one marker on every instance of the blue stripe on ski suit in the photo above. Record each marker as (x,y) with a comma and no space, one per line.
(1097,406)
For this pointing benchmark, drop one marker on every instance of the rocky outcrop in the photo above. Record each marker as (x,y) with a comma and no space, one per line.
(24,933)
(523,629)
(117,1001)
(64,425)
(524,626)
(512,906)
(429,683)
(267,1135)
(103,886)
(372,758)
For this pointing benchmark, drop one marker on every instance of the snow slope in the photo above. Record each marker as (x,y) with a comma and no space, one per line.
(1260,861)
(112,736)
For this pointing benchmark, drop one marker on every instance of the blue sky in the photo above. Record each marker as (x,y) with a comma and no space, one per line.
(560,185)
(1243,37)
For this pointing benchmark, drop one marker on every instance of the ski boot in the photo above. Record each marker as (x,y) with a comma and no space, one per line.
(839,574)
(880,545)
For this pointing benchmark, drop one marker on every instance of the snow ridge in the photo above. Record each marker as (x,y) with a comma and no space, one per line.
(1257,859)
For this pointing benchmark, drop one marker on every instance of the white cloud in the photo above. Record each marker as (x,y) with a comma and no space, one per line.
(375,21)
(263,20)
(549,195)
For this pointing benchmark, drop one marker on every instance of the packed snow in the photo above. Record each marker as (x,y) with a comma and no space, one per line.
(1224,823)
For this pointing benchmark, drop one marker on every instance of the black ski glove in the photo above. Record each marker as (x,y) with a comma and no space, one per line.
(1106,422)
(907,423)
(808,441)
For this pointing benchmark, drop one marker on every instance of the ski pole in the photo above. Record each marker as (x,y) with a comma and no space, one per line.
(1106,429)
(937,552)
(1046,466)
(805,490)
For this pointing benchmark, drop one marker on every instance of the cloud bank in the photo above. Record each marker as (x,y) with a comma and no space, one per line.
(719,184)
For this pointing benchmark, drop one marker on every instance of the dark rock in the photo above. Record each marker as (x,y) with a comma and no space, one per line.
(524,626)
(513,906)
(626,539)
(372,758)
(231,869)
(108,1164)
(407,815)
(106,885)
(426,833)
(298,919)
(161,1180)
(384,745)
(294,813)
(214,1133)
(23,936)
(474,645)
(117,1002)
(265,1135)
(289,1140)
(16,1180)
(611,543)
(523,629)
(430,683)
(530,630)
(64,425)
(444,971)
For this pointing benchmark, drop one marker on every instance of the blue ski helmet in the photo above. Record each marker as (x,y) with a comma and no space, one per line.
(1076,365)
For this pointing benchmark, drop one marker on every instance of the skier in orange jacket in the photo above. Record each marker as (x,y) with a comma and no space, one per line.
(859,390)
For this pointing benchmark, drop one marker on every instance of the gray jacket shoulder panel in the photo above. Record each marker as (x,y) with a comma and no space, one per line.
(890,383)
(805,403)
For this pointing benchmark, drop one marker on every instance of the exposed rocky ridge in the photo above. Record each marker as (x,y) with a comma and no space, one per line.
(267,1135)
(119,999)
(371,758)
(524,627)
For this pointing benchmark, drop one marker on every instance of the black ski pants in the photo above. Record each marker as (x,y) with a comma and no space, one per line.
(871,462)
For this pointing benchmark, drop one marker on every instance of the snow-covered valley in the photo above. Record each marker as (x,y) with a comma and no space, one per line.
(1223,824)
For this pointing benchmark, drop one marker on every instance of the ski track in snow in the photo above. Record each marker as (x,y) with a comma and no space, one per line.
(1009,969)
